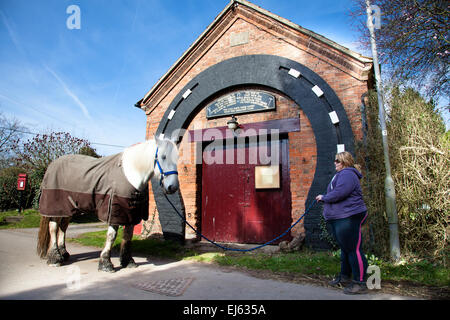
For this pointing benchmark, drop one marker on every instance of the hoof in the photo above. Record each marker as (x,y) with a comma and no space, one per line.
(129,264)
(54,258)
(106,266)
(64,254)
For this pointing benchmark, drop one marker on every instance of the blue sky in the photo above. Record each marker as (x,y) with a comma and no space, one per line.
(87,81)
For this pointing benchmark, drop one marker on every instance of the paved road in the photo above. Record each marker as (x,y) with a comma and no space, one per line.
(24,276)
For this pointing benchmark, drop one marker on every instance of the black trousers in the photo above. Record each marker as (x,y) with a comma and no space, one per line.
(347,233)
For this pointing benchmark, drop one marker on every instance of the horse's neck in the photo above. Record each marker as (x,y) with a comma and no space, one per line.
(137,162)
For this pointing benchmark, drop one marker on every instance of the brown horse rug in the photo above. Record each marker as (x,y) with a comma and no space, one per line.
(81,184)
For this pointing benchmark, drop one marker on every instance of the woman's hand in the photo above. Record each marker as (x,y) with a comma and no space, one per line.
(319,197)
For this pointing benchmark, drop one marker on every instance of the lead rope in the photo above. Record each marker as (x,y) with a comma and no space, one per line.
(146,231)
(234,249)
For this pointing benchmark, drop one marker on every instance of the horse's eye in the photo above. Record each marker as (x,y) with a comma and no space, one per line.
(163,157)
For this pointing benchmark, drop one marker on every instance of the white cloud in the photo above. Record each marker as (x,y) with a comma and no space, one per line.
(69,92)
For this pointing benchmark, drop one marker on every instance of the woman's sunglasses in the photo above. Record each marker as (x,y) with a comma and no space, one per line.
(337,161)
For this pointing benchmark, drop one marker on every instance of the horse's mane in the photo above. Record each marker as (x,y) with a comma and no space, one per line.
(138,160)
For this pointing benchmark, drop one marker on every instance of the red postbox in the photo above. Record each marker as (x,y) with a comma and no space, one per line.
(21,181)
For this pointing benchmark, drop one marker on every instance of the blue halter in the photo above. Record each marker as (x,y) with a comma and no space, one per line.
(163,174)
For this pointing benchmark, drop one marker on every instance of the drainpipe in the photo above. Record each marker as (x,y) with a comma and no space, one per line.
(389,188)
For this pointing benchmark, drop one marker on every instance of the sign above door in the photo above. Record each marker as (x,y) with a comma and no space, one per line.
(246,101)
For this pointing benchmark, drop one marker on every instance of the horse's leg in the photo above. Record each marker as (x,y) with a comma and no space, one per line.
(62,238)
(126,261)
(105,263)
(54,257)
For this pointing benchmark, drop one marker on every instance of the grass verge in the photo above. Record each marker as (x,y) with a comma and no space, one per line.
(30,219)
(305,262)
(151,247)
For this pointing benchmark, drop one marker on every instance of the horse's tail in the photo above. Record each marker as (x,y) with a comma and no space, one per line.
(43,237)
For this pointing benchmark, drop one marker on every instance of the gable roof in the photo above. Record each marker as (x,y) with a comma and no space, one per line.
(231,5)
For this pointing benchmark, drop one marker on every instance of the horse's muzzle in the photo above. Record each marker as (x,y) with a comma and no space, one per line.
(170,189)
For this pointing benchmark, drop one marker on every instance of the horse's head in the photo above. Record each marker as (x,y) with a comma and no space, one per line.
(166,159)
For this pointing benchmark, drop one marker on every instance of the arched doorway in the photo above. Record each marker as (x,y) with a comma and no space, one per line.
(311,93)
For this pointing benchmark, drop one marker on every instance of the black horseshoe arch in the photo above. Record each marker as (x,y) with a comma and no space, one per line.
(294,80)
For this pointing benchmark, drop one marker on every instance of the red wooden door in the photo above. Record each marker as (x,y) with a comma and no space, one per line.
(232,209)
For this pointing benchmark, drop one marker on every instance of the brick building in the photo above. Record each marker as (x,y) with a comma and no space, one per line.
(289,88)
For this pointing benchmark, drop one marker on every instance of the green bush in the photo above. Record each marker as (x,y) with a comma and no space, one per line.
(9,195)
(420,158)
(35,178)
(419,149)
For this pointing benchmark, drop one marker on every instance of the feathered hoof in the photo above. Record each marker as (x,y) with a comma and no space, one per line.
(54,258)
(105,265)
(64,254)
(129,264)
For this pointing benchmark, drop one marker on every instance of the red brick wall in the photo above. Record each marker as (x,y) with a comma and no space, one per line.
(345,75)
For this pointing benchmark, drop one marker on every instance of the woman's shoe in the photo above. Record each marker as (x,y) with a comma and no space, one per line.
(356,288)
(340,280)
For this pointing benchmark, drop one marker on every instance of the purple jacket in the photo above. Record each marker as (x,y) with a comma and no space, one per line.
(344,195)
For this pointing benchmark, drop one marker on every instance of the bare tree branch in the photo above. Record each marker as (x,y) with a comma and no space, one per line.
(413,42)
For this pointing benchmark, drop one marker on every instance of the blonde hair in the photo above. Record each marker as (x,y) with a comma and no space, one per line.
(347,160)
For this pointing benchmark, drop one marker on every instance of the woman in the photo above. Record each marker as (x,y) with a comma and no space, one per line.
(345,211)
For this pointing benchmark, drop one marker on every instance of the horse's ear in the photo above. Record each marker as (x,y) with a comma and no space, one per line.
(174,139)
(158,141)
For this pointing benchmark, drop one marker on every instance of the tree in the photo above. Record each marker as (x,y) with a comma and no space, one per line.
(89,151)
(413,42)
(39,151)
(10,134)
(36,154)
